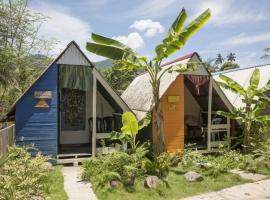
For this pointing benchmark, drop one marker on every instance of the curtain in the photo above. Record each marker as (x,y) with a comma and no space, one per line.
(198,80)
(76,77)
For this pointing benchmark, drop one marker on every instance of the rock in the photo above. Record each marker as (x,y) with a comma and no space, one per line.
(114,183)
(151,182)
(193,176)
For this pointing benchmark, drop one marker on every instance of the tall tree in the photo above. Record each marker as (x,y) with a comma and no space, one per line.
(254,101)
(266,53)
(219,59)
(176,38)
(19,42)
(231,57)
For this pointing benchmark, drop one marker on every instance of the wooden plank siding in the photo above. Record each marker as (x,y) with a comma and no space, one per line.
(173,118)
(7,138)
(38,126)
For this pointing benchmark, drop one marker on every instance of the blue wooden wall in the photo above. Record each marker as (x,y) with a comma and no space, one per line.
(35,125)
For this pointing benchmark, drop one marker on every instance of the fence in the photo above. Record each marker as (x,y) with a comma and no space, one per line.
(7,138)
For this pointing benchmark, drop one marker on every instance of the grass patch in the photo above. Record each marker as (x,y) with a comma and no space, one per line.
(54,185)
(263,170)
(178,188)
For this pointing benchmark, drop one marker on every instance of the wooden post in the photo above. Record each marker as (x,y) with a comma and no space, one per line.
(229,132)
(94,115)
(209,122)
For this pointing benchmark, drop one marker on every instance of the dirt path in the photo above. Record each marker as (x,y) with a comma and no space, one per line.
(75,188)
(251,191)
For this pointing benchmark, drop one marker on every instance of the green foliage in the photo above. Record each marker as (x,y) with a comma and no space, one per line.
(220,64)
(263,150)
(119,79)
(159,166)
(178,36)
(20,48)
(116,166)
(215,165)
(254,101)
(22,175)
(53,185)
(174,41)
(229,65)
(130,129)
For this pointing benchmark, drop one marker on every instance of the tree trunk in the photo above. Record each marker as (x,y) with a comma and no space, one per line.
(158,124)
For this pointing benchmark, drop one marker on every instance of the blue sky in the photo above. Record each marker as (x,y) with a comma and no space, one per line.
(240,26)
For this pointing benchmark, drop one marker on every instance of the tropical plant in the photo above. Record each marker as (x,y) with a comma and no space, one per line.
(118,78)
(254,101)
(211,65)
(219,59)
(266,53)
(231,57)
(22,175)
(174,41)
(130,129)
(263,151)
(229,65)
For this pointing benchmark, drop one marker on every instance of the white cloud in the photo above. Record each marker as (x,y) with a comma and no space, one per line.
(245,39)
(225,13)
(64,27)
(149,27)
(133,40)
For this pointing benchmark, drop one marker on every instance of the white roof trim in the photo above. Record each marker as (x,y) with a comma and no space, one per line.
(109,89)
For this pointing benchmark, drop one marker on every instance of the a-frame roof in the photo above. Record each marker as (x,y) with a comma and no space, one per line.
(138,95)
(73,55)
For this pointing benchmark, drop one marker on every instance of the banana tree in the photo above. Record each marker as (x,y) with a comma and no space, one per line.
(130,129)
(254,101)
(176,38)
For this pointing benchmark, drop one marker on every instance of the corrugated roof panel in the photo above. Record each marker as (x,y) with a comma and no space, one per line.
(72,56)
(242,76)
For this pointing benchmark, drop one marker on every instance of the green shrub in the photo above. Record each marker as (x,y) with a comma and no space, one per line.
(21,175)
(159,166)
(116,166)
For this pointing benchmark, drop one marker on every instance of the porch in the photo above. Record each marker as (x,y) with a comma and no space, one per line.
(204,129)
(87,116)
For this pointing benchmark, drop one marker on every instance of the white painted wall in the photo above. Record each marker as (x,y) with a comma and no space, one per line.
(79,137)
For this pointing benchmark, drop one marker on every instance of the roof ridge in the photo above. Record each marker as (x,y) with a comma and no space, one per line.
(190,55)
(239,69)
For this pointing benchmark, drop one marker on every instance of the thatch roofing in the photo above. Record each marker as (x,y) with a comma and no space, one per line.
(138,95)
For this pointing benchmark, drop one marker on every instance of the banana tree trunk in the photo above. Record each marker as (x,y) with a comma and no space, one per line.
(158,124)
(247,130)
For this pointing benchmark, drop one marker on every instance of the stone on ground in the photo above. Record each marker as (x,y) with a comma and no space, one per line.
(248,175)
(75,187)
(151,182)
(249,191)
(193,176)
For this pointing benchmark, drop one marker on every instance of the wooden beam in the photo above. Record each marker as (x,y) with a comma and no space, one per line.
(209,121)
(229,132)
(94,115)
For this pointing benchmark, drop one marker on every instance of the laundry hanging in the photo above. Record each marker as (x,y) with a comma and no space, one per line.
(198,80)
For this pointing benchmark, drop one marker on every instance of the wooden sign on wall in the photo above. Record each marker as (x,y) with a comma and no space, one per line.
(42,104)
(43,94)
(173,102)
